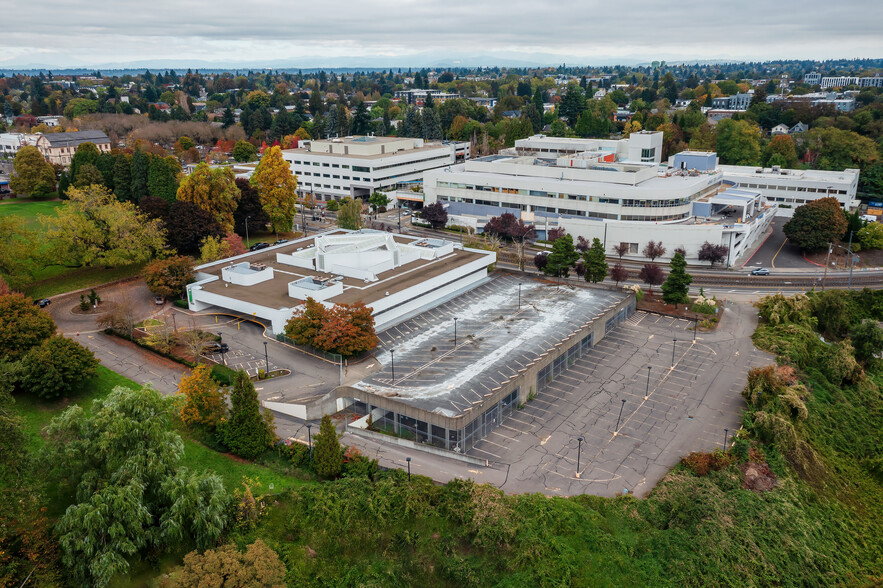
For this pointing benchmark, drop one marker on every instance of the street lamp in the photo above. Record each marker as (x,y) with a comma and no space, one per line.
(621,406)
(673,345)
(408,459)
(246,230)
(647,391)
(579,449)
(726,433)
(267,360)
(519,295)
(455,332)
(310,439)
(392,359)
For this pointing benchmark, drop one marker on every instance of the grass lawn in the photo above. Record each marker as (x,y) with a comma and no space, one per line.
(58,280)
(29,210)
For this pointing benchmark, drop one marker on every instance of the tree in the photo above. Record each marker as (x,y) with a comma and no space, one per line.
(651,275)
(713,253)
(56,368)
(277,189)
(378,200)
(18,261)
(244,151)
(867,339)
(214,191)
(249,208)
(595,262)
(350,215)
(783,147)
(169,277)
(205,404)
(619,274)
(162,177)
(227,567)
(31,172)
(347,329)
(87,175)
(562,257)
(738,142)
(620,250)
(122,177)
(247,431)
(871,236)
(23,326)
(540,260)
(94,228)
(187,226)
(140,171)
(306,322)
(653,250)
(435,214)
(816,224)
(327,451)
(836,149)
(677,285)
(121,460)
(86,154)
(361,120)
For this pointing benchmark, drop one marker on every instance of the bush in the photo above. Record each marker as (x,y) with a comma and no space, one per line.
(333,205)
(181,304)
(222,374)
(702,463)
(297,453)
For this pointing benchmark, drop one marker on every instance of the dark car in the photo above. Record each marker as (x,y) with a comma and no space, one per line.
(281,241)
(761,271)
(216,347)
(43,302)
(258,246)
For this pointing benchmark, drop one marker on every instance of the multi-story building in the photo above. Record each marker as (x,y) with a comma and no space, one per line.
(593,195)
(812,78)
(418,97)
(357,166)
(10,143)
(740,101)
(640,147)
(790,188)
(60,147)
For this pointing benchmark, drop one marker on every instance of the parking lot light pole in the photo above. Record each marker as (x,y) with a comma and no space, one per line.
(726,433)
(392,360)
(673,345)
(408,459)
(647,391)
(621,406)
(455,332)
(579,449)
(267,360)
(310,439)
(519,295)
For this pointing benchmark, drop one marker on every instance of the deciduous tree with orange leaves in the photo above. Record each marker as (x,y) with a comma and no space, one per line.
(347,329)
(204,401)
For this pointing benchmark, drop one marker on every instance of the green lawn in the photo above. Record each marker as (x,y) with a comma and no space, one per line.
(29,210)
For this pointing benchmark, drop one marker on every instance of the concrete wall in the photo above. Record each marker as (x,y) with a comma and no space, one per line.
(330,291)
(250,278)
(199,300)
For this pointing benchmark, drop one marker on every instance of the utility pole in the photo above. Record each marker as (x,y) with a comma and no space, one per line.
(851,261)
(827,259)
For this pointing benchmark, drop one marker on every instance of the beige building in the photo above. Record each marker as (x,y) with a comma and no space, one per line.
(60,147)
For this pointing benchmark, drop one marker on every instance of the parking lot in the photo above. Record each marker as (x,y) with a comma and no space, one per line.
(668,411)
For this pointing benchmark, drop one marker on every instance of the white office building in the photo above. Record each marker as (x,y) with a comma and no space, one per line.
(591,195)
(790,188)
(357,166)
(10,143)
(640,147)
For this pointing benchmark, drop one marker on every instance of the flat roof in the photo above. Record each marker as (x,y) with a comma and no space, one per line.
(495,341)
(847,175)
(274,293)
(426,148)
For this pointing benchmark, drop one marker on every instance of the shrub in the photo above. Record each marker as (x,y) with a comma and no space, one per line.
(181,304)
(702,463)
(328,452)
(222,374)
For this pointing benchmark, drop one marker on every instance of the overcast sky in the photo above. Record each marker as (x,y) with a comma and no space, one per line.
(398,32)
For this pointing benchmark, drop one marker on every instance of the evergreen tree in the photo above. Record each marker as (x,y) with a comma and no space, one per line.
(122,177)
(595,262)
(431,125)
(562,257)
(228,119)
(162,177)
(140,167)
(361,120)
(677,285)
(327,452)
(246,431)
(413,124)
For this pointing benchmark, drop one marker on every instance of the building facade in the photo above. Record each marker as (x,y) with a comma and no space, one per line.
(357,166)
(59,148)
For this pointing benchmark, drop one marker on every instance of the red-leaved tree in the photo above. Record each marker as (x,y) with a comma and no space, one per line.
(651,275)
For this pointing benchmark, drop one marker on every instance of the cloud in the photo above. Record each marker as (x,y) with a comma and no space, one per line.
(68,33)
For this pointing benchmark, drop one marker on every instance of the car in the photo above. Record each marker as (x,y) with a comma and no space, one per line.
(406,213)
(215,347)
(761,271)
(258,246)
(43,302)
(281,241)
(159,300)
